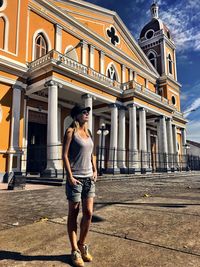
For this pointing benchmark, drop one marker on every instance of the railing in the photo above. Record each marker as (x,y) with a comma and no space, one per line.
(36,159)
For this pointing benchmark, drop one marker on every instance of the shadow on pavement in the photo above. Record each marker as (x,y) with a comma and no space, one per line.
(162,205)
(17,256)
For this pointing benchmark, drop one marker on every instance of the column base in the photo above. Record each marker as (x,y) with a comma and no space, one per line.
(52,173)
(163,170)
(112,170)
(146,170)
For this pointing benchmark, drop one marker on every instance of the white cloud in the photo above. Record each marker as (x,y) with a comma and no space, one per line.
(193,107)
(183,20)
(193,130)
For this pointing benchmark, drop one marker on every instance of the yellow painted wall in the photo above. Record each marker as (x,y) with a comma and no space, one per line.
(170,94)
(140,80)
(67,40)
(6,102)
(96,60)
(2,32)
(108,60)
(36,23)
(151,87)
(16,15)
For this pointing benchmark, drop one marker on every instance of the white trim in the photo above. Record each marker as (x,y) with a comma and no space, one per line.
(68,49)
(102,62)
(91,60)
(27,34)
(112,64)
(33,41)
(5,45)
(58,38)
(17,30)
(12,82)
(13,63)
(4,5)
(151,51)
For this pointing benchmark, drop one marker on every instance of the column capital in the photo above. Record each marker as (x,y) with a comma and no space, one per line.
(102,53)
(83,42)
(92,46)
(169,119)
(123,66)
(122,107)
(85,96)
(131,105)
(113,105)
(52,83)
(142,109)
(58,26)
(17,86)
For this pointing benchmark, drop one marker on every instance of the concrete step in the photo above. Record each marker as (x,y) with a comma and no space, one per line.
(45,181)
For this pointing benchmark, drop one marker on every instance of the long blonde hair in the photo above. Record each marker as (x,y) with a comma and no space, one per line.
(76,126)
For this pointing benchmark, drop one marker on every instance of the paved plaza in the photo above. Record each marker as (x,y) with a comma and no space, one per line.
(143,221)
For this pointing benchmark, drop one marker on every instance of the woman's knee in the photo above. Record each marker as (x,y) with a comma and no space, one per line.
(87,213)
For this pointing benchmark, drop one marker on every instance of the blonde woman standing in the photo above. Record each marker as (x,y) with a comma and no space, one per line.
(80,185)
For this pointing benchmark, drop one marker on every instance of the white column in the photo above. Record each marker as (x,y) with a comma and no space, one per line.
(91,64)
(170,142)
(149,148)
(175,70)
(58,45)
(183,138)
(130,74)
(102,121)
(102,62)
(162,143)
(143,138)
(88,103)
(113,137)
(52,132)
(123,74)
(175,146)
(122,138)
(133,149)
(84,52)
(14,131)
(135,76)
(59,125)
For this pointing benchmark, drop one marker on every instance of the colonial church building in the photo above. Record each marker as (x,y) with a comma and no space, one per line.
(54,54)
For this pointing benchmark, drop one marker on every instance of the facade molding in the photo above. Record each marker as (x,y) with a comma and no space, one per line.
(42,31)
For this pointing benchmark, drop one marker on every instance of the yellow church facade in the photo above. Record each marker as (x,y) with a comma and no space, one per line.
(55,54)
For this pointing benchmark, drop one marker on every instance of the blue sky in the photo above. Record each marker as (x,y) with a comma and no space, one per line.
(183,19)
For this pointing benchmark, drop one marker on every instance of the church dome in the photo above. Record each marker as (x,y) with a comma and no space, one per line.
(154,25)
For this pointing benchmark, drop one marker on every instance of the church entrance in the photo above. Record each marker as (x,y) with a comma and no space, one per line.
(37,142)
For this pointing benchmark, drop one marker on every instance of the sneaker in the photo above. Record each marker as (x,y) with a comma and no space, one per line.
(86,256)
(77,259)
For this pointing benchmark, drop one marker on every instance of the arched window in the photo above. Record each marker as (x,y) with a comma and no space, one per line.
(41,47)
(112,73)
(153,59)
(70,52)
(170,63)
(2,32)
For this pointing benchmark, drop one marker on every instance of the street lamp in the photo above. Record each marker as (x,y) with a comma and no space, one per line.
(102,132)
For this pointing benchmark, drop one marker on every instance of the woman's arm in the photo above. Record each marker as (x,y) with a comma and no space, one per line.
(94,168)
(67,166)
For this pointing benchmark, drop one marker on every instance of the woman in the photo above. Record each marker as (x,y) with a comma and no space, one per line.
(81,176)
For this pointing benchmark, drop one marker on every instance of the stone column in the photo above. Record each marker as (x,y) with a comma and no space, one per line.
(53,158)
(102,144)
(149,148)
(112,164)
(184,150)
(122,139)
(133,147)
(14,130)
(162,144)
(175,146)
(130,74)
(143,139)
(84,52)
(91,63)
(88,99)
(102,59)
(170,143)
(123,73)
(58,44)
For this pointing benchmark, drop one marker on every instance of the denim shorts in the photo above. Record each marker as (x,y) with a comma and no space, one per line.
(80,191)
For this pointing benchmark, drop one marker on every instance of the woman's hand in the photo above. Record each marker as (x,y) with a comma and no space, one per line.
(73,181)
(94,176)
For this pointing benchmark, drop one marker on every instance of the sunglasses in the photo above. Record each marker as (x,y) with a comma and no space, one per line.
(84,112)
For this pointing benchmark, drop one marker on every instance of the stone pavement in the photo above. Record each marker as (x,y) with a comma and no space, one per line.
(137,222)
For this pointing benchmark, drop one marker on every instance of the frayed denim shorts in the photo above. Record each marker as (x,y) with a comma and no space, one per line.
(78,192)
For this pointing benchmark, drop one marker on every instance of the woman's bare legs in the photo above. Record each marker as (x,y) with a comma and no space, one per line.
(72,223)
(87,208)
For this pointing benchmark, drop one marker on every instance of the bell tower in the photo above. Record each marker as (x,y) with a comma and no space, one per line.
(157,43)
